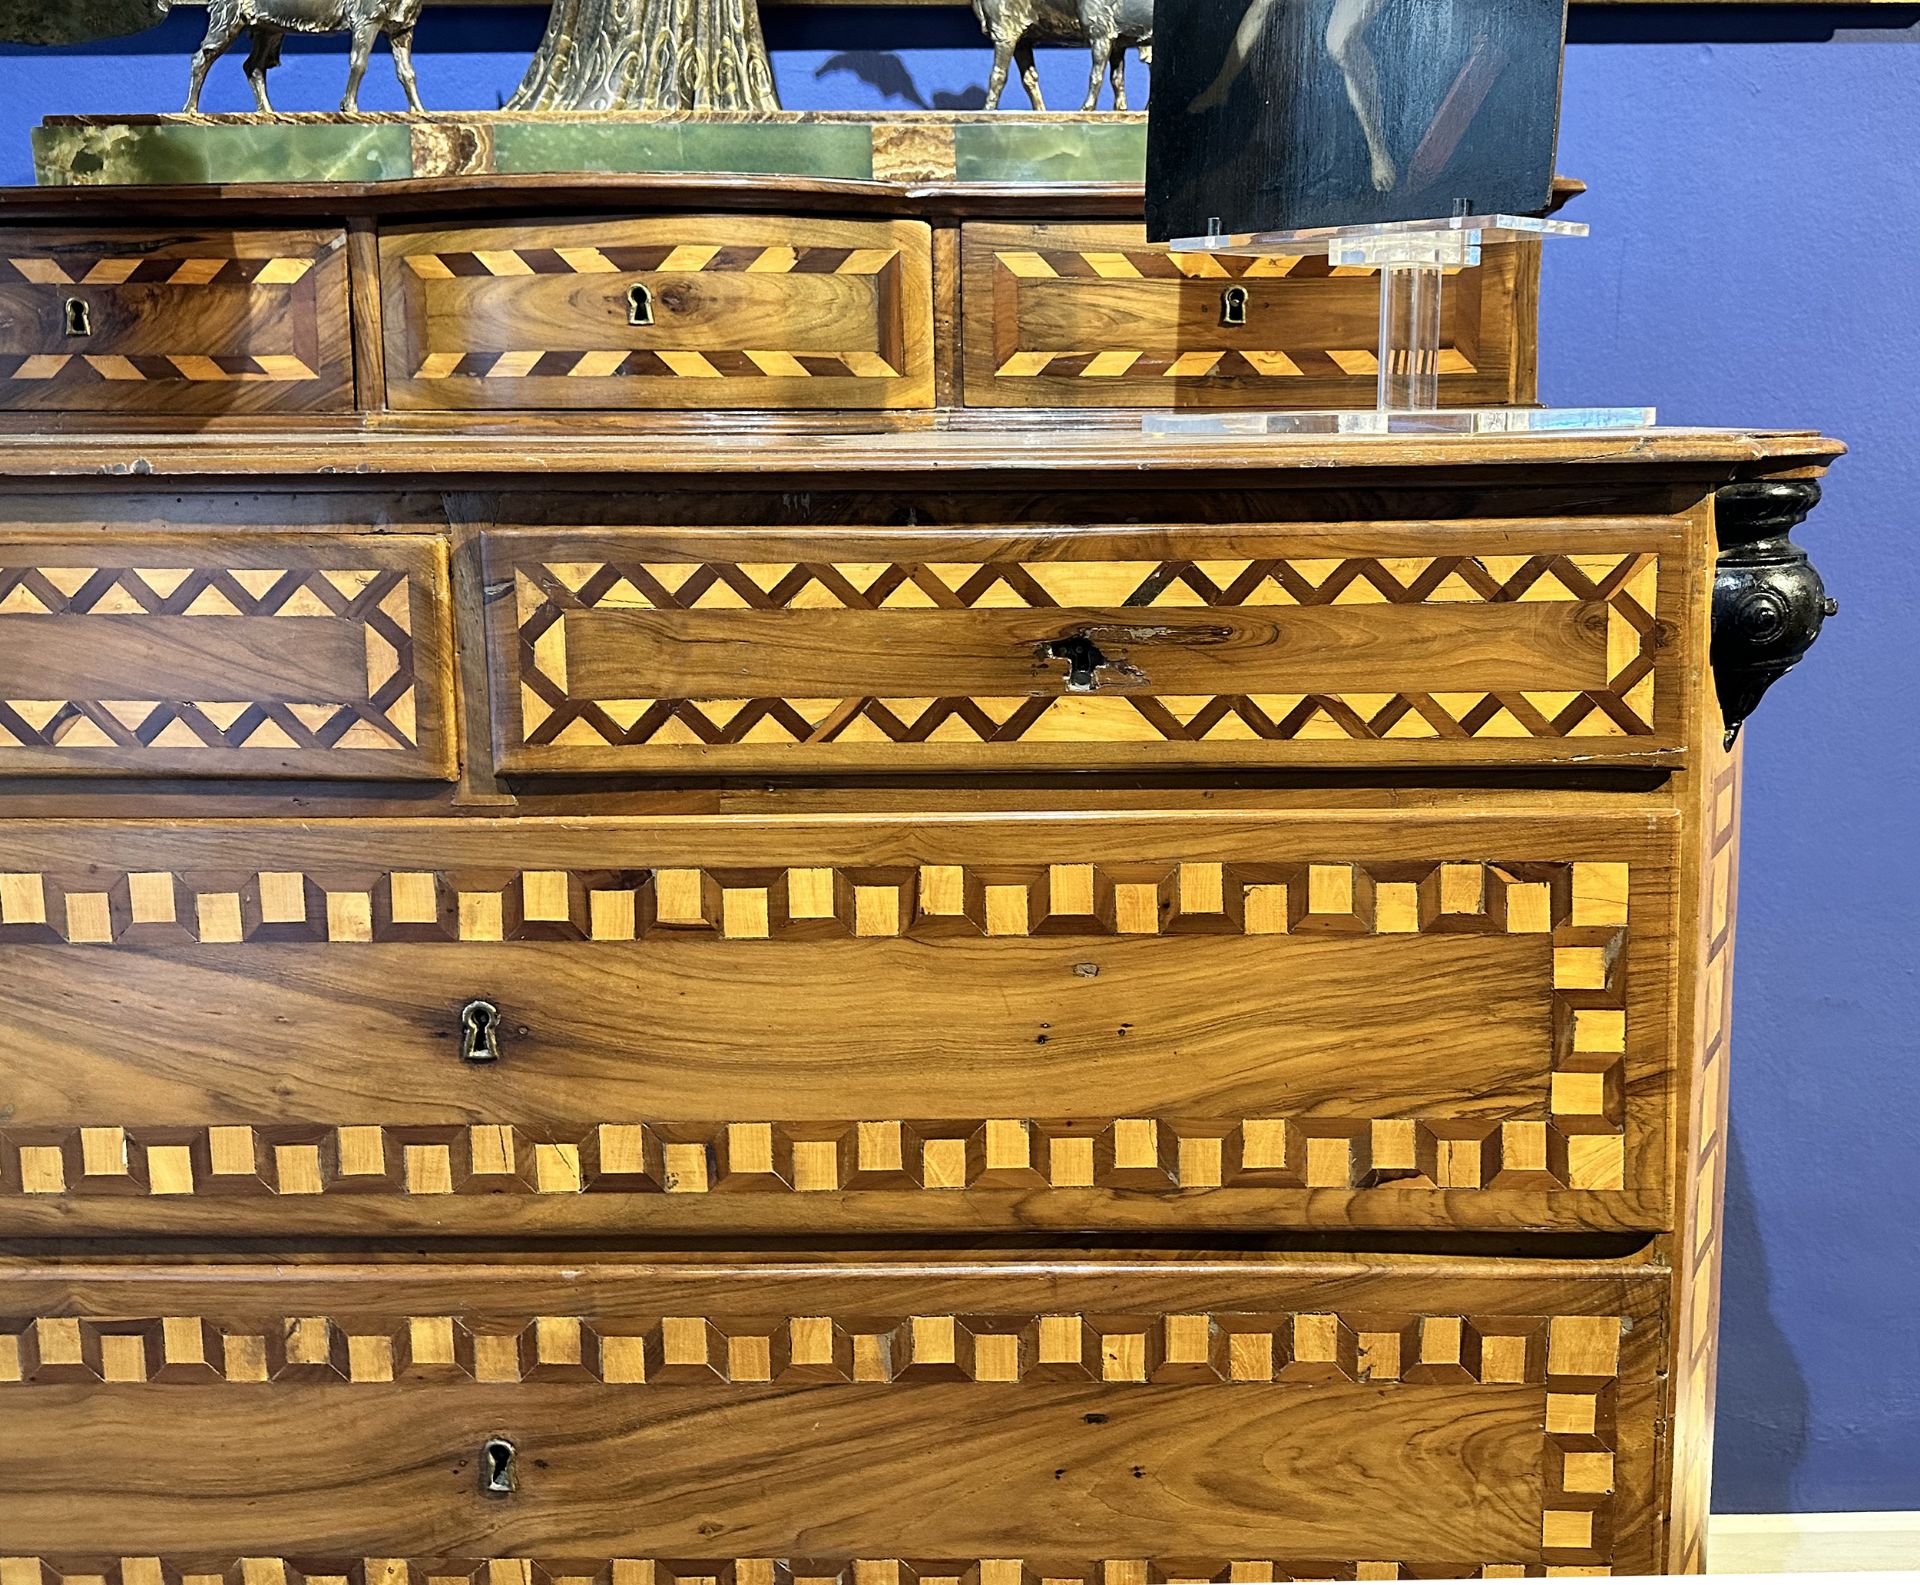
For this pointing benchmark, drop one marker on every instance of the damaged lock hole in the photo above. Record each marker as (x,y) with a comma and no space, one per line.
(1083,658)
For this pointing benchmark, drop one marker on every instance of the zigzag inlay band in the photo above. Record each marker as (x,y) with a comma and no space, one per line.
(1623,584)
(378,600)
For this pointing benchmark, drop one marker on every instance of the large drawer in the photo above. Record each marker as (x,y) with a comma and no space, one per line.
(1384,1019)
(174,322)
(1389,643)
(702,311)
(862,1424)
(226,655)
(1075,315)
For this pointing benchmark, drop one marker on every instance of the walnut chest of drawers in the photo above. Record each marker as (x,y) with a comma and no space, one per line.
(673,911)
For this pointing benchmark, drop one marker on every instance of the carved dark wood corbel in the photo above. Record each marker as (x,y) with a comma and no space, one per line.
(1768,600)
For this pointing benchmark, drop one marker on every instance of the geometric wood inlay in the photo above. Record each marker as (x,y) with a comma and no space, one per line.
(377,600)
(1574,1359)
(1136,264)
(1572,1137)
(1620,586)
(1573,1356)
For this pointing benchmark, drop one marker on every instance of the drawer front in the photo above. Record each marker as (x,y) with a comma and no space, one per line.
(226,655)
(1123,649)
(1061,315)
(707,1026)
(172,322)
(1087,1423)
(724,311)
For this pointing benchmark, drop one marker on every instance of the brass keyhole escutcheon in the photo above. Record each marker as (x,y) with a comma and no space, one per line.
(480,1032)
(1233,306)
(79,317)
(639,304)
(497,1477)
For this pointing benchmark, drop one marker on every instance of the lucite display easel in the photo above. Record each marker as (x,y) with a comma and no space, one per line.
(1412,258)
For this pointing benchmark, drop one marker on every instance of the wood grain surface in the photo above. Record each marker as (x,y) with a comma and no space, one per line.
(1440,1418)
(226,656)
(1070,315)
(731,311)
(964,1023)
(247,321)
(1481,641)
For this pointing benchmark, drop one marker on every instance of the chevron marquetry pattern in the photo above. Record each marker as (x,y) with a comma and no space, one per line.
(1299,362)
(267,366)
(653,259)
(1131,264)
(658,363)
(1152,264)
(135,270)
(1626,583)
(378,600)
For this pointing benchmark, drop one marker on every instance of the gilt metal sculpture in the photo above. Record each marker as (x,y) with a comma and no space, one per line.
(650,55)
(1109,28)
(269,21)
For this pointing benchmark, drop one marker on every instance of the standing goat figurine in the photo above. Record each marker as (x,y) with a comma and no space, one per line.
(1109,28)
(269,21)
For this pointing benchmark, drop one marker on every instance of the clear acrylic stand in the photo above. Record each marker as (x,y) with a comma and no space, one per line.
(1412,258)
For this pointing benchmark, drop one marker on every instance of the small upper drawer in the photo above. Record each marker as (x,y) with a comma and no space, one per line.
(725,311)
(749,650)
(1094,316)
(173,322)
(223,655)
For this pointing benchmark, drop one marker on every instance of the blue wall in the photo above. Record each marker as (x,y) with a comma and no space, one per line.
(1756,218)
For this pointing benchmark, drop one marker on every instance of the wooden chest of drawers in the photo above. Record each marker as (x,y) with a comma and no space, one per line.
(885,999)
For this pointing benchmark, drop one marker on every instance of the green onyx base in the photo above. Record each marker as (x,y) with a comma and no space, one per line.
(966,147)
(180,151)
(825,149)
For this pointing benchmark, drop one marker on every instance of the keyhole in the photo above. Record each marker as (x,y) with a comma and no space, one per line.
(1083,658)
(480,1034)
(1233,306)
(639,305)
(79,317)
(496,1468)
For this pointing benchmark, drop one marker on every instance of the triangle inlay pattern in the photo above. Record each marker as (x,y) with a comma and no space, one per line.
(377,600)
(1624,584)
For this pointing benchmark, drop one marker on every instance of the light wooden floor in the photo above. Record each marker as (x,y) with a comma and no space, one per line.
(1813,1543)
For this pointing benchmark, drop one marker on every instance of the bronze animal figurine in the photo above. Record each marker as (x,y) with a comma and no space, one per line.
(269,21)
(1109,28)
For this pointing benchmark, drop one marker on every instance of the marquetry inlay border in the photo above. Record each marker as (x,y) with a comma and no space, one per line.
(552,714)
(657,258)
(654,361)
(1575,1359)
(123,269)
(109,271)
(1697,1255)
(1575,1139)
(1015,267)
(306,1570)
(378,599)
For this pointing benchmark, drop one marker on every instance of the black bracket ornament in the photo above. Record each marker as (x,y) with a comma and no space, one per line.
(1768,600)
